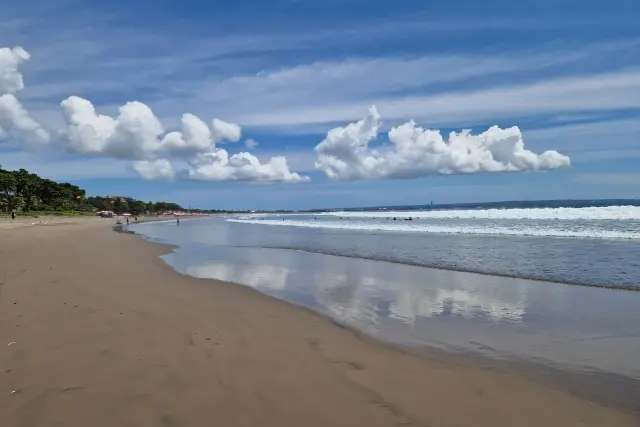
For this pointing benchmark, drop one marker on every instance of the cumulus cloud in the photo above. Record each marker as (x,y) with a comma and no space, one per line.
(414,152)
(137,134)
(133,134)
(10,76)
(223,131)
(218,166)
(195,136)
(14,118)
(154,169)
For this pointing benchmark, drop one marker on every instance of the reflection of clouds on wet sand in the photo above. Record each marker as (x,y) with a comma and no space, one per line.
(347,298)
(265,277)
(374,292)
(448,309)
(367,299)
(413,303)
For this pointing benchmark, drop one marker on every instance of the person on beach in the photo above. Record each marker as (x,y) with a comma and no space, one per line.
(13,214)
(127,220)
(178,220)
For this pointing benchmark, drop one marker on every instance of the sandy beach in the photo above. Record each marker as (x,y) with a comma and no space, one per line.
(96,330)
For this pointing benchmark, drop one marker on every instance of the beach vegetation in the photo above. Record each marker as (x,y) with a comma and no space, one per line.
(26,193)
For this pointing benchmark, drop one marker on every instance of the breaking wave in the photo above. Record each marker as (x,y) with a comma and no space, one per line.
(402,227)
(614,222)
(588,213)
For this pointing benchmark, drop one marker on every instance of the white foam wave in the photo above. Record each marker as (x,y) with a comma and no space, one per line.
(589,213)
(588,233)
(248,216)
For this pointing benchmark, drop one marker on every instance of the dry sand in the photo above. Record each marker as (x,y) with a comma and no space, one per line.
(95,330)
(23,221)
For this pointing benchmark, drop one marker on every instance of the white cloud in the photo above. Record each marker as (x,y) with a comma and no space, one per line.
(137,134)
(223,131)
(598,92)
(339,81)
(10,77)
(251,143)
(414,152)
(329,91)
(14,118)
(154,169)
(233,73)
(218,166)
(195,136)
(326,82)
(133,134)
(92,49)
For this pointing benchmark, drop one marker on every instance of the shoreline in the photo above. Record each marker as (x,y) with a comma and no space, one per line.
(577,382)
(531,277)
(463,270)
(127,339)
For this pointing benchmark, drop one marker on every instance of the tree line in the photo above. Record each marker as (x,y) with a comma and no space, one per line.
(121,204)
(21,191)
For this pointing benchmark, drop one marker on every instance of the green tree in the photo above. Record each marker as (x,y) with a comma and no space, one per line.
(21,190)
(7,190)
(117,205)
(138,207)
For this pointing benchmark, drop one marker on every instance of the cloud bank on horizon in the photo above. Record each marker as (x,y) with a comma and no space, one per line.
(137,135)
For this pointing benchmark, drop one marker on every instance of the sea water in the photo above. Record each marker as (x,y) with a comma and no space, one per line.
(593,245)
(455,279)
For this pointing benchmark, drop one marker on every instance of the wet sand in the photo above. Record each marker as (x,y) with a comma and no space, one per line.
(96,330)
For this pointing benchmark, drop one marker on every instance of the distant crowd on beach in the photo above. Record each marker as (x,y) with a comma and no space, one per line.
(127,219)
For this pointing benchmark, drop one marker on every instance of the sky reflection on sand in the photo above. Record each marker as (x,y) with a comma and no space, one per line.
(503,317)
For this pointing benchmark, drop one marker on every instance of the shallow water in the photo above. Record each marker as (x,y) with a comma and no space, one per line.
(577,327)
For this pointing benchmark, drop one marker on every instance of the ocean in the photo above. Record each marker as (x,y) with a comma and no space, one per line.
(557,285)
(596,246)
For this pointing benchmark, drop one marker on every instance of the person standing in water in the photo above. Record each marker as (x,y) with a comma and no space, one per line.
(177,220)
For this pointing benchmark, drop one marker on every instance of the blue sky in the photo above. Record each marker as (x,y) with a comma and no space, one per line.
(567,73)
